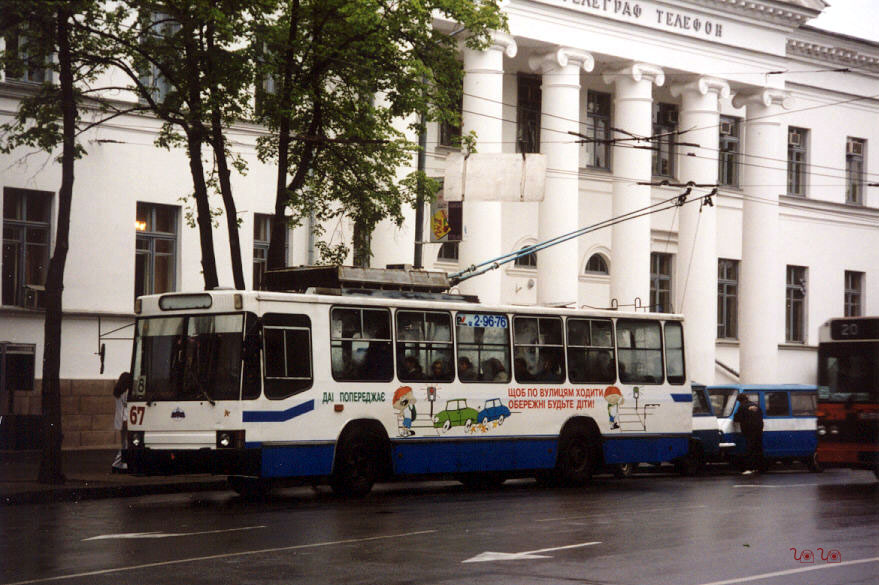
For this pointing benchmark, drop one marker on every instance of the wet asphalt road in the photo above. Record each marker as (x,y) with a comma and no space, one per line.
(653,528)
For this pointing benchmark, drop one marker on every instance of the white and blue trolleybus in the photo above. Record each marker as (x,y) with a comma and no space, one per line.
(351,376)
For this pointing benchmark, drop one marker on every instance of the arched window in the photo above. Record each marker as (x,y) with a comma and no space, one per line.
(526,261)
(597,265)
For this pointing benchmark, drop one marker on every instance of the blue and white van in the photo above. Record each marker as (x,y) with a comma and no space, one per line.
(790,428)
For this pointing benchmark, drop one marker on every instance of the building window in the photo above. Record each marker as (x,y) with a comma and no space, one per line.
(25,67)
(26,217)
(262,231)
(597,265)
(526,260)
(854,293)
(597,130)
(528,114)
(795,305)
(156,27)
(450,133)
(854,171)
(727,299)
(155,264)
(728,158)
(665,124)
(448,252)
(660,283)
(797,145)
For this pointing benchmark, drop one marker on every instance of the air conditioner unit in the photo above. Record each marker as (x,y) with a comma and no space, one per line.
(793,138)
(854,147)
(726,128)
(671,116)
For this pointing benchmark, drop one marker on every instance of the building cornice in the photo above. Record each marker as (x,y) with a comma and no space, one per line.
(775,12)
(833,54)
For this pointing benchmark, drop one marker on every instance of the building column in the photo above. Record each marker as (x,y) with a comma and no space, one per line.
(557,266)
(483,114)
(695,290)
(762,276)
(630,240)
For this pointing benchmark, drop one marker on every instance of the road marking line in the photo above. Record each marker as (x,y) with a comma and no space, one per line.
(214,557)
(164,534)
(768,486)
(792,571)
(528,554)
(600,514)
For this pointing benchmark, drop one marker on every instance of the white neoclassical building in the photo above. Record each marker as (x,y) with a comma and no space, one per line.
(616,105)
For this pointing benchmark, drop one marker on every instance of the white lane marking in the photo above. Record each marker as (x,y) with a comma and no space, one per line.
(663,509)
(125,535)
(768,486)
(792,571)
(215,557)
(530,554)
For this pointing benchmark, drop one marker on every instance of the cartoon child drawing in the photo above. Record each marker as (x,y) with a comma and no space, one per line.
(404,404)
(614,400)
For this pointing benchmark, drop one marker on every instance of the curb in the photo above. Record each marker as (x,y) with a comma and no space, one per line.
(76,494)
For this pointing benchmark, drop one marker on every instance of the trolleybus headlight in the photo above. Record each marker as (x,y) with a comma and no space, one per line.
(230,439)
(834,430)
(822,430)
(135,439)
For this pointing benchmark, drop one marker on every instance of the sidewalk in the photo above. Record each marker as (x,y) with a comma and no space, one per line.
(87,473)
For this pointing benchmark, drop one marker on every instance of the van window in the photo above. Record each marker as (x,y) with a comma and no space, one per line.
(700,403)
(722,401)
(776,404)
(803,403)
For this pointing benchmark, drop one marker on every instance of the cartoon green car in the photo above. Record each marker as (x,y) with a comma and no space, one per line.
(456,414)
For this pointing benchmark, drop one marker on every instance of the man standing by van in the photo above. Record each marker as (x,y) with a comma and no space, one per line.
(750,419)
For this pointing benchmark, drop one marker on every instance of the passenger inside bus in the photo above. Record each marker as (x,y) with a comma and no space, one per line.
(466,371)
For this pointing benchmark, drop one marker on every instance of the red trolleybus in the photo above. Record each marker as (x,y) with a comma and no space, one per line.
(848,394)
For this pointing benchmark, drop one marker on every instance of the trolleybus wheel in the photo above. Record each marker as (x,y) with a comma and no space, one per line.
(357,464)
(576,456)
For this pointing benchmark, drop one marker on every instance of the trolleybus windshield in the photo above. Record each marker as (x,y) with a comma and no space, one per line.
(196,357)
(849,371)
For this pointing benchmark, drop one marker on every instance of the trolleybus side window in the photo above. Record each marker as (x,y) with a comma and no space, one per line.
(287,354)
(360,344)
(590,351)
(483,347)
(424,346)
(639,350)
(776,404)
(539,349)
(803,403)
(674,353)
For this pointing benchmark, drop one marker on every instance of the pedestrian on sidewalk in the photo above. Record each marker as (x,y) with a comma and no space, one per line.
(750,419)
(120,393)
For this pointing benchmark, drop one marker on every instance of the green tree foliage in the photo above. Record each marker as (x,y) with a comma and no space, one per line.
(47,38)
(189,63)
(343,72)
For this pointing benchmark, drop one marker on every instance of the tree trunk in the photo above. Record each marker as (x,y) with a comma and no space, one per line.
(203,210)
(50,465)
(361,244)
(219,144)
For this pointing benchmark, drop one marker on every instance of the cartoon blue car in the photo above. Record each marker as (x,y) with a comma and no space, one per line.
(494,410)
